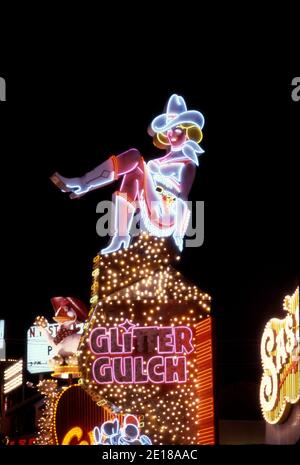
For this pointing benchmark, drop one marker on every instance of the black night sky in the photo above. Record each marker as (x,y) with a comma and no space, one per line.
(67,111)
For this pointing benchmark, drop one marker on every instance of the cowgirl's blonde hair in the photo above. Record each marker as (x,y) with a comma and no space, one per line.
(193,132)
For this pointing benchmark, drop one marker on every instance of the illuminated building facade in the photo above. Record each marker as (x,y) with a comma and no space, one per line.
(147,345)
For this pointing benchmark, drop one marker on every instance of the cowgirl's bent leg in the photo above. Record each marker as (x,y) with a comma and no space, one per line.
(132,184)
(125,207)
(127,162)
(103,174)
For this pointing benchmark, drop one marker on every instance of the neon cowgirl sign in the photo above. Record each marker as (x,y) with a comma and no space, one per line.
(158,188)
(141,354)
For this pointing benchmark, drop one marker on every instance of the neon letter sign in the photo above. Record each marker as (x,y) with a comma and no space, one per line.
(147,354)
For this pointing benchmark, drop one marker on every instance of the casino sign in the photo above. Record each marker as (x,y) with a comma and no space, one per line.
(280,383)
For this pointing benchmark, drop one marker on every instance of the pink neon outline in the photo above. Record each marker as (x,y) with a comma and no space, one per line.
(129,171)
(180,160)
(168,157)
(108,336)
(121,198)
(146,374)
(160,159)
(101,337)
(122,343)
(163,360)
(157,374)
(176,374)
(115,328)
(172,335)
(121,187)
(121,325)
(103,366)
(137,189)
(113,370)
(190,341)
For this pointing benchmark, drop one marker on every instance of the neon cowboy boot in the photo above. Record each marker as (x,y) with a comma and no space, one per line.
(123,216)
(100,176)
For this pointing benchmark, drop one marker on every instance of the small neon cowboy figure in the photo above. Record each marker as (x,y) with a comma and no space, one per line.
(159,188)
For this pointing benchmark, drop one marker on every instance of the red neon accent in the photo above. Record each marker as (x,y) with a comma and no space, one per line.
(204,362)
(115,163)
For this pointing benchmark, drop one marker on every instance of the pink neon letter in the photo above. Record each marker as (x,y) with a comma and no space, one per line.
(183,339)
(115,347)
(123,369)
(102,372)
(153,364)
(140,376)
(165,340)
(98,341)
(175,369)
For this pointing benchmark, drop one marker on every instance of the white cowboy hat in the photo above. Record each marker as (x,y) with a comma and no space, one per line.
(176,114)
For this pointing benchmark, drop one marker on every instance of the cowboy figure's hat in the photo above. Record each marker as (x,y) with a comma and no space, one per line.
(176,114)
(70,302)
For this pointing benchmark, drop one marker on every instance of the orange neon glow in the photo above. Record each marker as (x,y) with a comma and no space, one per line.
(74,433)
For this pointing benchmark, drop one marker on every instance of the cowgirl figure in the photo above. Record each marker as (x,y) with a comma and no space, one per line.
(160,187)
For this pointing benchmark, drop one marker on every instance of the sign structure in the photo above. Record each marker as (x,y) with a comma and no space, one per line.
(2,341)
(145,356)
(147,345)
(280,384)
(38,349)
(13,377)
